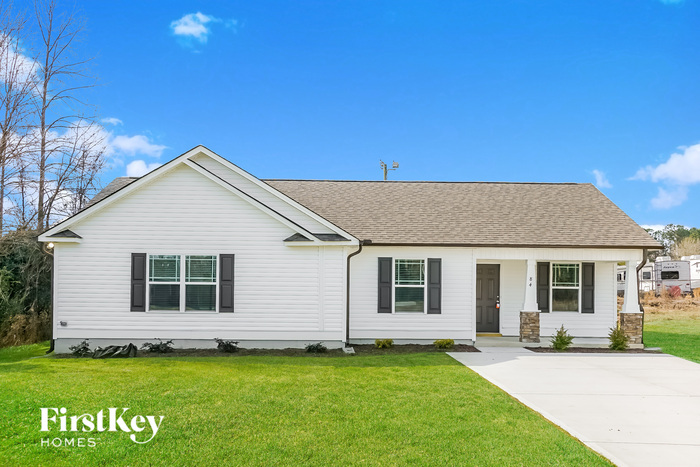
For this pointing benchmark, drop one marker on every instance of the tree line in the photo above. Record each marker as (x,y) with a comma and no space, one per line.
(51,152)
(51,147)
(678,241)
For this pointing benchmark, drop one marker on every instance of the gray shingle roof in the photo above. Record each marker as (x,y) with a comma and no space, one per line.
(485,214)
(113,186)
(463,213)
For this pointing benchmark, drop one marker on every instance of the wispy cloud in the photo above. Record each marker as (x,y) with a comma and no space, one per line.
(138,168)
(112,121)
(197,27)
(671,2)
(681,170)
(666,199)
(601,181)
(134,145)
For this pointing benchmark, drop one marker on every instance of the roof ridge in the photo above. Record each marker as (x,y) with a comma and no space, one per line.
(420,181)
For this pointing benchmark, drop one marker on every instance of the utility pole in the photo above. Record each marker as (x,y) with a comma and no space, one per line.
(385,168)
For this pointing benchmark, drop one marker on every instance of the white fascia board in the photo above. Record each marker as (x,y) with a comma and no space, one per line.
(163,169)
(43,238)
(252,201)
(322,243)
(275,192)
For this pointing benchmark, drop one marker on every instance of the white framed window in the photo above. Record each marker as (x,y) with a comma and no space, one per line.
(409,286)
(182,283)
(565,292)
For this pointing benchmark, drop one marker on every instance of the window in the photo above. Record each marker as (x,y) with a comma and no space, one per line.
(164,282)
(200,283)
(409,285)
(669,275)
(646,275)
(566,286)
(167,290)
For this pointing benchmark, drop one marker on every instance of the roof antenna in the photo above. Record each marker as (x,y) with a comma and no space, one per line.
(385,168)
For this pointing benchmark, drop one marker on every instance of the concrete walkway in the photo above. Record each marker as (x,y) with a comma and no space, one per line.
(635,409)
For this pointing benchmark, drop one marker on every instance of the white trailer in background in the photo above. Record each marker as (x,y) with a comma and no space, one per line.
(694,261)
(645,278)
(671,274)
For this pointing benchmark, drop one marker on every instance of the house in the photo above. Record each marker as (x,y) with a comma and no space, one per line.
(200,249)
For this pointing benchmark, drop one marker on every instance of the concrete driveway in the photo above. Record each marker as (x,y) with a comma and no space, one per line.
(635,409)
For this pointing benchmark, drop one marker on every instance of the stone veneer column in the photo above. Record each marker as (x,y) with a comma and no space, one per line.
(530,314)
(530,326)
(632,324)
(631,317)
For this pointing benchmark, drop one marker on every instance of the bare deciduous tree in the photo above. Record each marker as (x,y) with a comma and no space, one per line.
(16,94)
(686,247)
(60,110)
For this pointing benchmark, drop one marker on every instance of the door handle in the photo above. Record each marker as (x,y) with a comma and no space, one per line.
(498,302)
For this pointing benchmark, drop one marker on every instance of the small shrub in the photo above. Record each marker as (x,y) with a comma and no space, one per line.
(160,347)
(444,344)
(226,346)
(316,348)
(80,350)
(618,340)
(384,343)
(561,340)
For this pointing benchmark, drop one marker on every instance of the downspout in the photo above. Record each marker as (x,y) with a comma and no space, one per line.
(347,294)
(639,294)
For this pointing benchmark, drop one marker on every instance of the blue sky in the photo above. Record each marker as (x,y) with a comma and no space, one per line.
(606,92)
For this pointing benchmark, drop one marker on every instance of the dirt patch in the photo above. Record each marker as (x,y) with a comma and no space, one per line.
(588,350)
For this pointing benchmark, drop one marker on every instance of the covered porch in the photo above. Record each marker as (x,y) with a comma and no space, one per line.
(522,296)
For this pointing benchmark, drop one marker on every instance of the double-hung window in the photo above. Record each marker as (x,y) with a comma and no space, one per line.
(182,282)
(409,285)
(566,286)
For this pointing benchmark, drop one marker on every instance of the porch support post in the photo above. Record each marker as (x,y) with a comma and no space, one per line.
(530,314)
(631,317)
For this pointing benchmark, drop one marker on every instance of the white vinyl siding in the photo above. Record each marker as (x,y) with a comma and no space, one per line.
(262,195)
(454,321)
(280,292)
(595,324)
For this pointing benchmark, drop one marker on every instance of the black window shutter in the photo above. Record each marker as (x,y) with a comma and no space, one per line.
(226,279)
(138,281)
(543,287)
(588,288)
(434,286)
(385,286)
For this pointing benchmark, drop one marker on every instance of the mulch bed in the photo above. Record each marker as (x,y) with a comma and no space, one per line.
(588,350)
(366,349)
(370,349)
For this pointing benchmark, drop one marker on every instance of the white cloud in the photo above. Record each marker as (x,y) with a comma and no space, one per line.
(666,199)
(680,169)
(653,226)
(194,25)
(14,64)
(139,168)
(133,145)
(601,181)
(671,2)
(112,121)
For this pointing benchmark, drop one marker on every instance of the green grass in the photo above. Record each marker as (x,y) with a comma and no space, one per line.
(15,354)
(676,335)
(262,410)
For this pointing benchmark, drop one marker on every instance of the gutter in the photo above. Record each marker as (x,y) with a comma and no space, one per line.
(639,268)
(639,295)
(347,292)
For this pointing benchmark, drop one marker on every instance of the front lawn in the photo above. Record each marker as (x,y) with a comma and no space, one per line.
(675,327)
(264,410)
